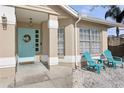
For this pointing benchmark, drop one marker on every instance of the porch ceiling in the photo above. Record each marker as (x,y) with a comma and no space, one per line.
(23,15)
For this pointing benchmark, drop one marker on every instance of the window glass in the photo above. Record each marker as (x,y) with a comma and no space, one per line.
(89,41)
(37,41)
(61,42)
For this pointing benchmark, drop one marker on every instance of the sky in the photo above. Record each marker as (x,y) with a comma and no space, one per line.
(98,12)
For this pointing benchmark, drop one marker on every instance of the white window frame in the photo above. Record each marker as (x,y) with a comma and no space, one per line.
(91,41)
(59,54)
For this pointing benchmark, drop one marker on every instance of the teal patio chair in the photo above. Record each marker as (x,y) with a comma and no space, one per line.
(113,60)
(92,63)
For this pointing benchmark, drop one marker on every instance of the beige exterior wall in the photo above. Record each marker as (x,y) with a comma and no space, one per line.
(87,24)
(61,13)
(45,38)
(7,45)
(69,40)
(53,43)
(68,24)
(104,40)
(50,40)
(7,39)
(53,39)
(7,55)
(26,25)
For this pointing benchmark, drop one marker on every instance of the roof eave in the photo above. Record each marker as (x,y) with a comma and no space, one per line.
(106,23)
(70,10)
(95,20)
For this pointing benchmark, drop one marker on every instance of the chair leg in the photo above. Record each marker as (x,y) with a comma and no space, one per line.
(104,68)
(122,65)
(114,65)
(98,70)
(108,64)
(87,67)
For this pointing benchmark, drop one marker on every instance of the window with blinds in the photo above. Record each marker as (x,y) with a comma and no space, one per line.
(61,42)
(90,41)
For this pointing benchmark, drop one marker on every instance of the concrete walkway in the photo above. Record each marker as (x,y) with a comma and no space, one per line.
(37,76)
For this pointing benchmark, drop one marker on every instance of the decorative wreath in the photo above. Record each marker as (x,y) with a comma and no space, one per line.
(27,38)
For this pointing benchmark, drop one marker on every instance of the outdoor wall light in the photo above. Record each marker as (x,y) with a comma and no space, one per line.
(30,22)
(4,22)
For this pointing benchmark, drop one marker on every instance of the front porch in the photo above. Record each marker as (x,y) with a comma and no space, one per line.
(37,76)
(34,39)
(55,40)
(43,36)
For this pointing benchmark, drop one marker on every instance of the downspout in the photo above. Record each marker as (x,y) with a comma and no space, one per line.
(75,39)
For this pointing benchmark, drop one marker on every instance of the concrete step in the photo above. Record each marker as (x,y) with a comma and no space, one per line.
(30,73)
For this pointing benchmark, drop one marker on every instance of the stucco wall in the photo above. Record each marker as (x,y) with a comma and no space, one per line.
(7,39)
(68,24)
(87,24)
(45,38)
(104,40)
(26,25)
(53,39)
(7,45)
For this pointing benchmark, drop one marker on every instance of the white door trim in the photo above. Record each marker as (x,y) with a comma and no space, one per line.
(25,59)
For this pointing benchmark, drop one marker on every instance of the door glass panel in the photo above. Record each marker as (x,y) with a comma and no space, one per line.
(36,31)
(37,41)
(37,36)
(37,45)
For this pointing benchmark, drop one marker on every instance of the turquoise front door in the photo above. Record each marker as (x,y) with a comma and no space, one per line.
(26,44)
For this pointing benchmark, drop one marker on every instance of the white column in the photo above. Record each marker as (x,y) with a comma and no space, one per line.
(53,39)
(7,37)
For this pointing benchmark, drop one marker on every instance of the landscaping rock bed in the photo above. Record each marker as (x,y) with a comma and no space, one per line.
(111,78)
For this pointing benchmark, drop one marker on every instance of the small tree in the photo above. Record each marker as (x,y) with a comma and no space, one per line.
(113,12)
(116,14)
